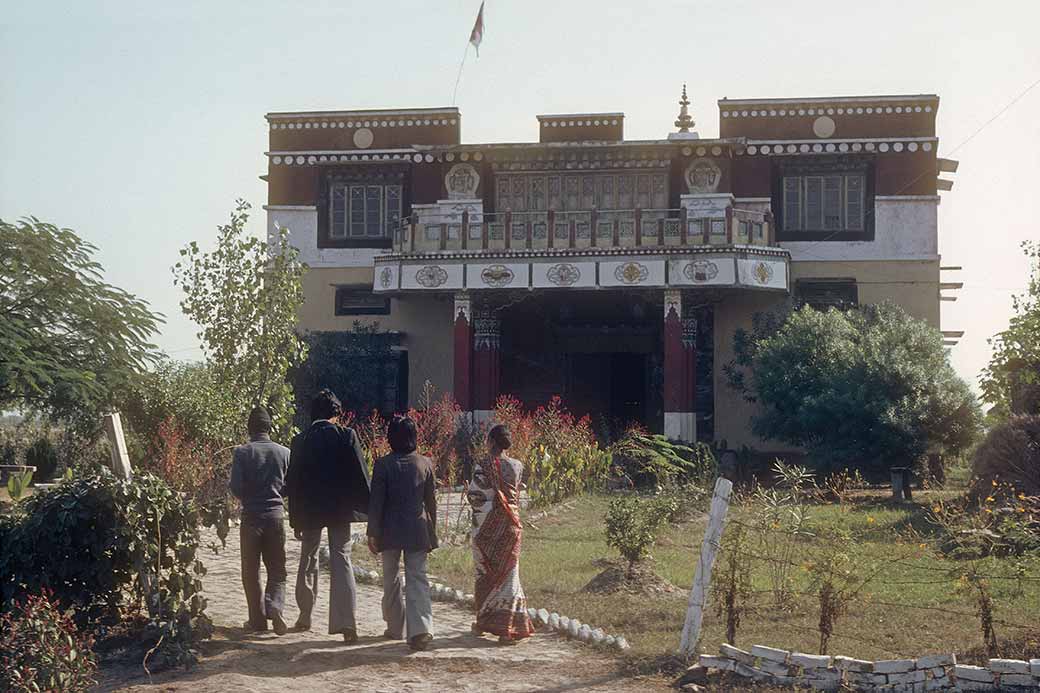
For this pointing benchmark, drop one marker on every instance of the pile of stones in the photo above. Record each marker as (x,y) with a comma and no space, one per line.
(822,672)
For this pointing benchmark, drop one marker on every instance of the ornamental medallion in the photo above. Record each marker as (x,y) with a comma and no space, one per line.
(631,273)
(701,270)
(762,273)
(496,276)
(703,176)
(385,277)
(563,274)
(462,181)
(431,276)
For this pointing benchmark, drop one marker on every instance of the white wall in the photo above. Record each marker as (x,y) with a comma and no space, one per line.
(905,228)
(302,221)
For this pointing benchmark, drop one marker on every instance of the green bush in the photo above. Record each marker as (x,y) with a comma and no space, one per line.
(633,523)
(1010,454)
(103,544)
(649,459)
(42,650)
(867,389)
(44,456)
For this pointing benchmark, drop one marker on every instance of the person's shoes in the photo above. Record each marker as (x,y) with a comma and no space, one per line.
(251,627)
(301,626)
(420,642)
(279,624)
(475,629)
(390,636)
(350,636)
(505,640)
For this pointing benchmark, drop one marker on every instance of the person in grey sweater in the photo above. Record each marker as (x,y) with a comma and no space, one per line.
(258,471)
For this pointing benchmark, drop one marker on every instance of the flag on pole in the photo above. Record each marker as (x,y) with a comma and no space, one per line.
(477,35)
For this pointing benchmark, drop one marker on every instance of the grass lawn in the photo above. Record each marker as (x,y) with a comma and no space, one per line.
(564,551)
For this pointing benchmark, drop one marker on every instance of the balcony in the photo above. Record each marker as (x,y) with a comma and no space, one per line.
(589,249)
(600,229)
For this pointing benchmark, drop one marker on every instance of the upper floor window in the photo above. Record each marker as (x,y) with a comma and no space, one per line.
(824,203)
(822,199)
(362,206)
(364,211)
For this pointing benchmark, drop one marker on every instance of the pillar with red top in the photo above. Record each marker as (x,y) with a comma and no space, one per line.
(463,347)
(486,362)
(680,368)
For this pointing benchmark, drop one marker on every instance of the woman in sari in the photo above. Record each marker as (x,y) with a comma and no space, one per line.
(494,494)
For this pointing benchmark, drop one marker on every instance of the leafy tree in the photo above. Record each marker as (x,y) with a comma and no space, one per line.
(69,342)
(868,388)
(1011,381)
(244,295)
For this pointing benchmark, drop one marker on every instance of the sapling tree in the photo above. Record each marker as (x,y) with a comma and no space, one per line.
(244,295)
(633,523)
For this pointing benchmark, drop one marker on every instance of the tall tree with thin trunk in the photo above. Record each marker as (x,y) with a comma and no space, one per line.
(244,295)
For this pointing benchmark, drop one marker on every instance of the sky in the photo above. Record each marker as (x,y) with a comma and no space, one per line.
(138,124)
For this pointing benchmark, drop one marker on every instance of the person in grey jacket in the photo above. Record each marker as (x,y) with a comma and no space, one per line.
(258,471)
(402,519)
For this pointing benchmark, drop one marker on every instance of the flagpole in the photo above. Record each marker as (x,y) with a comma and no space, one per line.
(458,79)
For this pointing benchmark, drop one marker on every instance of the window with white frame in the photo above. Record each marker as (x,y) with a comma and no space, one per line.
(361,210)
(828,202)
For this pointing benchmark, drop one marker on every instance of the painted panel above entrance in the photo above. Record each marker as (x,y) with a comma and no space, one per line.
(738,267)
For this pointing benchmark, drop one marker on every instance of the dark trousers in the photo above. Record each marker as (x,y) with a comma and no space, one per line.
(263,539)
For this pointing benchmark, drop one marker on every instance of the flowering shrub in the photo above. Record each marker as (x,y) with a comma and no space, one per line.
(559,453)
(1004,522)
(42,650)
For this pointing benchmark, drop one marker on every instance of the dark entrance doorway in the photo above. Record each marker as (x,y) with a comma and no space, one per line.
(611,388)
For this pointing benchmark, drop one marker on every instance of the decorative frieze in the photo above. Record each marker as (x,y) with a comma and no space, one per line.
(348,121)
(313,158)
(897,145)
(796,110)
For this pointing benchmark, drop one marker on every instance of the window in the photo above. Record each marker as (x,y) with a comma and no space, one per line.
(824,198)
(539,192)
(831,202)
(822,294)
(352,300)
(363,211)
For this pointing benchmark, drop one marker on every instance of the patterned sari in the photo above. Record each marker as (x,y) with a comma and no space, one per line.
(494,494)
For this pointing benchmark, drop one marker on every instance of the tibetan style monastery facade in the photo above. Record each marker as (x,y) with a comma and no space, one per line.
(610,272)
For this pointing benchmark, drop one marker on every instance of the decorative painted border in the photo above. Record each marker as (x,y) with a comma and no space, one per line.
(360,121)
(908,145)
(795,112)
(310,158)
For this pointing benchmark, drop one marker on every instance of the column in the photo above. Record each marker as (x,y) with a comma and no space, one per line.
(486,333)
(463,347)
(680,356)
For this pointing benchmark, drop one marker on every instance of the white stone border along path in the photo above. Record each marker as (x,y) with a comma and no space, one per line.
(568,627)
(822,672)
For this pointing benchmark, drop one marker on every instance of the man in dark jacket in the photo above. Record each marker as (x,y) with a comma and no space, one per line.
(402,518)
(328,488)
(258,479)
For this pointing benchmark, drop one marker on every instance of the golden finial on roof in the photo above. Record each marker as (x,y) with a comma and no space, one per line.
(685,121)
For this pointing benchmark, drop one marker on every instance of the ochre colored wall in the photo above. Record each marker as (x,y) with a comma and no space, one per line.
(424,320)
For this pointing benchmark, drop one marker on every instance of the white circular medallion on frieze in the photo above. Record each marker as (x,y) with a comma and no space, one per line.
(823,126)
(363,138)
(431,276)
(631,273)
(497,276)
(462,181)
(701,270)
(563,274)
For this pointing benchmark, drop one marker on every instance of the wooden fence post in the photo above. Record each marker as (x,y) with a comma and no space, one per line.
(702,578)
(117,445)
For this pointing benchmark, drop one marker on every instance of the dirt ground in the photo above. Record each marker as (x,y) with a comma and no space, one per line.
(314,661)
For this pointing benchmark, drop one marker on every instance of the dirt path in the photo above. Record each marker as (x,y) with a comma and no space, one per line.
(314,661)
